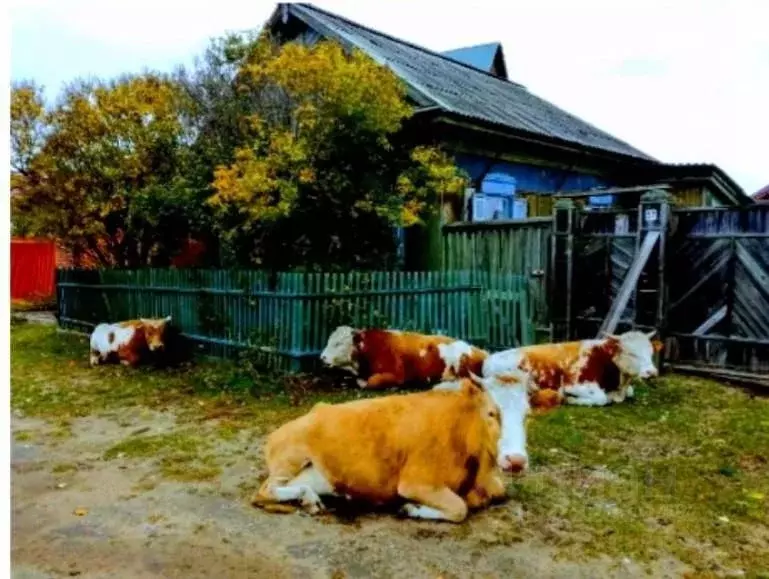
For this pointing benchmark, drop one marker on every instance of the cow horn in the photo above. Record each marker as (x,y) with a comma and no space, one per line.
(612,336)
(651,334)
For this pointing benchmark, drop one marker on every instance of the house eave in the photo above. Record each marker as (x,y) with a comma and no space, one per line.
(438,115)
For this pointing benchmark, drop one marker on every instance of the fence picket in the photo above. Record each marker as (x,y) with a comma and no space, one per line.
(288,316)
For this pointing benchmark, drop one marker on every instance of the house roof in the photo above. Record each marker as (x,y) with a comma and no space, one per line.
(762,194)
(436,81)
(481,56)
(720,183)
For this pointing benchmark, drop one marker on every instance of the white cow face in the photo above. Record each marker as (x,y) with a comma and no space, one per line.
(340,349)
(635,356)
(510,393)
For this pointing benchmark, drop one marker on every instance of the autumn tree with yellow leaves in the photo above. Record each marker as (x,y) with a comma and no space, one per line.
(324,174)
(291,157)
(107,174)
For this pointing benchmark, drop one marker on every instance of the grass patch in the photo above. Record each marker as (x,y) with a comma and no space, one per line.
(22,435)
(682,470)
(179,455)
(178,443)
(64,468)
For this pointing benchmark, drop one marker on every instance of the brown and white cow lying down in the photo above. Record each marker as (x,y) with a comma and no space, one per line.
(128,342)
(586,372)
(437,450)
(383,358)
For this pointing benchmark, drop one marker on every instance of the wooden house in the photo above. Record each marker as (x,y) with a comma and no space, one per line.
(517,148)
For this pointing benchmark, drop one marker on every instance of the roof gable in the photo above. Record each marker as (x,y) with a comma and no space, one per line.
(435,80)
(486,57)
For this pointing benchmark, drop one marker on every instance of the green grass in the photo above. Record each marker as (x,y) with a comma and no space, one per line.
(682,470)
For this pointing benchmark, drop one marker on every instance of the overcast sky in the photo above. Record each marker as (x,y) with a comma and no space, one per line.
(684,80)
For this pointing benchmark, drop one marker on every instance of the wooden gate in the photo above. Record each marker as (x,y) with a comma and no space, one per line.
(718,271)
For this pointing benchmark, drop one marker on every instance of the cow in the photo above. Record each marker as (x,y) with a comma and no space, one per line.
(510,393)
(387,358)
(587,372)
(129,342)
(434,450)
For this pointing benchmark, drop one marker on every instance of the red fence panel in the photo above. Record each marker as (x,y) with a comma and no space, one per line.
(33,269)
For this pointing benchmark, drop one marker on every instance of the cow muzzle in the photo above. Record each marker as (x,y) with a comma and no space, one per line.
(513,463)
(653,373)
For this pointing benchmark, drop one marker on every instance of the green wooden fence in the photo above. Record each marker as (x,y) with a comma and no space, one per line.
(520,247)
(288,316)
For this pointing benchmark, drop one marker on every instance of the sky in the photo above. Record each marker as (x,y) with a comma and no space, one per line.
(685,81)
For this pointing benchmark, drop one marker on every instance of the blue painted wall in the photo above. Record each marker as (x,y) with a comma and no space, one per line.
(530,178)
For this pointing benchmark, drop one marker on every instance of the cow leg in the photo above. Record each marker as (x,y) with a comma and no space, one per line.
(307,488)
(438,504)
(481,495)
(382,380)
(95,358)
(590,394)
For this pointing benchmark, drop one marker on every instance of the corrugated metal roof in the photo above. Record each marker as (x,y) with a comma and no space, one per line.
(480,56)
(460,89)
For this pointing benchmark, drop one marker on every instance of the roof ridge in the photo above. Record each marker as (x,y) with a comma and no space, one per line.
(408,43)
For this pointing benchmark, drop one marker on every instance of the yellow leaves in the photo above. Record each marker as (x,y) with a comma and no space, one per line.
(80,512)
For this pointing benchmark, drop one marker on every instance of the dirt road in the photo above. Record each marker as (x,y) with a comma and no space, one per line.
(77,513)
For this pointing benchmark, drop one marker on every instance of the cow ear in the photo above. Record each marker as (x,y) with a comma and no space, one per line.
(657,345)
(477,381)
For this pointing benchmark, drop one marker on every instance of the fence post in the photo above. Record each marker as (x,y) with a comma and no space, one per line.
(654,215)
(562,268)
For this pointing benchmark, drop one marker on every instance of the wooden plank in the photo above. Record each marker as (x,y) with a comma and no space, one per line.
(629,283)
(711,322)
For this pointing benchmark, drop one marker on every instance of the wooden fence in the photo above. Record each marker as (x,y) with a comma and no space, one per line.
(520,247)
(289,316)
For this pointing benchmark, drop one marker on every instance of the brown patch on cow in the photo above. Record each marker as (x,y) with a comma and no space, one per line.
(599,366)
(657,346)
(393,359)
(132,351)
(507,379)
(549,364)
(545,399)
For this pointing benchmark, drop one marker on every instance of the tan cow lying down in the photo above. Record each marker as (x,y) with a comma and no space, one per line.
(127,342)
(586,372)
(382,358)
(437,450)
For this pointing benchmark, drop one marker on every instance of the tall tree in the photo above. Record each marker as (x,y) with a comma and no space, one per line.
(109,177)
(322,175)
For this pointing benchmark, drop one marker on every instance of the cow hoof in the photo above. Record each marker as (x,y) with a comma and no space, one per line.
(407,511)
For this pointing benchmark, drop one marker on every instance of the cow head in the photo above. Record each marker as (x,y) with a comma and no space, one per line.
(510,392)
(490,410)
(635,353)
(154,332)
(341,348)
